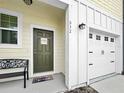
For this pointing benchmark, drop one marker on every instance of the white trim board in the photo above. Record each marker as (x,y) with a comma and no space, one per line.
(89,4)
(56,3)
(31,63)
(19,29)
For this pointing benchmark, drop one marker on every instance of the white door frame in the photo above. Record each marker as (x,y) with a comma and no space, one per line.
(31,63)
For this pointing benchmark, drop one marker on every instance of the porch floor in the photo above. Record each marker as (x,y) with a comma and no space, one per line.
(51,86)
(111,85)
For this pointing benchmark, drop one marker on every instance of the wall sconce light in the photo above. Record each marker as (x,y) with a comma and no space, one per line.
(28,2)
(82,26)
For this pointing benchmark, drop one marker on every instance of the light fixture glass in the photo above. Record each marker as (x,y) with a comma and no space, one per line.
(82,26)
(28,2)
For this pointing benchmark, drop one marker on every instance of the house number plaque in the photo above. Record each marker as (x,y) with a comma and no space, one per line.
(43,41)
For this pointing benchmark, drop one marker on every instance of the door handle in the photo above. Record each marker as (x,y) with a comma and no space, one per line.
(90,64)
(102,52)
(90,51)
(112,61)
(112,51)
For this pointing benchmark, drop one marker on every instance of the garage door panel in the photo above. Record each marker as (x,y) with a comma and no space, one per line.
(101,55)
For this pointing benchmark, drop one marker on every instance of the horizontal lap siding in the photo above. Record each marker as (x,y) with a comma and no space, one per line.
(114,7)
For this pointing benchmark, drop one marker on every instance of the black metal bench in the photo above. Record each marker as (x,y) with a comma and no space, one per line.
(7,67)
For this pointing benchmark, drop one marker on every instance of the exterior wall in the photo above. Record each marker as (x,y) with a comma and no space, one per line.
(39,14)
(77,64)
(113,7)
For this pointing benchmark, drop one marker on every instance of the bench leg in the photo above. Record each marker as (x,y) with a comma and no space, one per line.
(27,75)
(27,69)
(24,79)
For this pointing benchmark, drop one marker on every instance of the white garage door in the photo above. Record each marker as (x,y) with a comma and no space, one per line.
(101,56)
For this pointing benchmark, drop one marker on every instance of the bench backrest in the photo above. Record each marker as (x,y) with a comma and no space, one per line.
(13,63)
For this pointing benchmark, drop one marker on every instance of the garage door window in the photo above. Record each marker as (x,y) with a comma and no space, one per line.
(112,40)
(98,37)
(90,35)
(106,38)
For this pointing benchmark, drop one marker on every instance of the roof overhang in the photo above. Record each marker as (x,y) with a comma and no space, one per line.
(55,3)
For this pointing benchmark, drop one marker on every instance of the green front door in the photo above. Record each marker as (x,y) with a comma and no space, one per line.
(42,50)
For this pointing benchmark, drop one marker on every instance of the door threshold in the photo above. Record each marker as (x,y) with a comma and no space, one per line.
(43,74)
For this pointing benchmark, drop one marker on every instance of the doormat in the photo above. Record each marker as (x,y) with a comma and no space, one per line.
(86,89)
(42,78)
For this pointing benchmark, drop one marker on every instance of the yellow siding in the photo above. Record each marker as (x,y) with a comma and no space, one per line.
(114,7)
(39,14)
